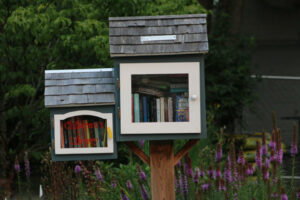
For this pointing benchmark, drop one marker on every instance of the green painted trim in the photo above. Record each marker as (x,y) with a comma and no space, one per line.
(103,109)
(153,59)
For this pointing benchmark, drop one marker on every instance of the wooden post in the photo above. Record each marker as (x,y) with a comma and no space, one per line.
(162,162)
(162,170)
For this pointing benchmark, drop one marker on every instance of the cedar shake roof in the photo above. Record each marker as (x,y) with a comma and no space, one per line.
(158,35)
(80,87)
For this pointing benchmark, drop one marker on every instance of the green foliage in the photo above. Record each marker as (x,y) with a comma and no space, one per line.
(229,86)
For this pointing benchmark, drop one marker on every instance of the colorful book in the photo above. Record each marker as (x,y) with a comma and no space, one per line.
(145,114)
(132,108)
(170,109)
(70,138)
(96,130)
(177,90)
(88,138)
(158,109)
(141,109)
(62,138)
(162,109)
(166,109)
(77,128)
(74,134)
(136,107)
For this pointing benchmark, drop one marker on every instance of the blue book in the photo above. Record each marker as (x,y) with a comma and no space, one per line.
(145,109)
(136,102)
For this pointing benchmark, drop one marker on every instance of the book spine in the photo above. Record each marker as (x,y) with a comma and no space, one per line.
(66,138)
(77,128)
(136,108)
(74,134)
(145,109)
(170,109)
(105,135)
(166,109)
(88,138)
(96,130)
(70,136)
(158,110)
(162,109)
(132,108)
(62,138)
(176,90)
(141,110)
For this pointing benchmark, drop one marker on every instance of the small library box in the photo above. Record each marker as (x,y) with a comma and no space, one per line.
(81,104)
(159,75)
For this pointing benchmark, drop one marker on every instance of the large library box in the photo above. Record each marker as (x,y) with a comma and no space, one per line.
(159,75)
(81,104)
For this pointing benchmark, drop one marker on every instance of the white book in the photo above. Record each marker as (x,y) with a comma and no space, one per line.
(170,109)
(162,109)
(158,109)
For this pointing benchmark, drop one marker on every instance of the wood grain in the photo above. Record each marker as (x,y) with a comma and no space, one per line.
(135,149)
(184,150)
(162,170)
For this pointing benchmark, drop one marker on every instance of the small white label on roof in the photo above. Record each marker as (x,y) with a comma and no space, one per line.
(157,38)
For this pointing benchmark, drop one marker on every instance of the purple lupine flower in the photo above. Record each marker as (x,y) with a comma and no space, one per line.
(264,150)
(113,184)
(294,146)
(250,169)
(142,143)
(298,194)
(235,196)
(272,145)
(144,192)
(123,196)
(229,161)
(27,165)
(129,185)
(202,172)
(227,173)
(183,184)
(283,195)
(205,187)
(279,155)
(98,175)
(197,175)
(142,174)
(219,152)
(266,173)
(241,159)
(258,157)
(17,166)
(211,172)
(77,169)
(189,170)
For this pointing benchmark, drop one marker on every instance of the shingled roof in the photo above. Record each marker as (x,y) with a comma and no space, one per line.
(158,35)
(79,87)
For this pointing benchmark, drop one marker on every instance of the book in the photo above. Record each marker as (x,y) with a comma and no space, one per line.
(181,108)
(149,91)
(166,109)
(132,108)
(141,109)
(88,138)
(62,138)
(77,129)
(74,134)
(96,130)
(158,109)
(70,137)
(170,109)
(162,109)
(179,85)
(66,139)
(177,90)
(145,111)
(136,107)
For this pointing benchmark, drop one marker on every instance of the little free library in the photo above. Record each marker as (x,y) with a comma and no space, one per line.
(155,91)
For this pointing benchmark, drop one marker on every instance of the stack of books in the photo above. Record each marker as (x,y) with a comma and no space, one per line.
(160,101)
(83,132)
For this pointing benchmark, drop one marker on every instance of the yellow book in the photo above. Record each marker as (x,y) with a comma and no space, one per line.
(88,134)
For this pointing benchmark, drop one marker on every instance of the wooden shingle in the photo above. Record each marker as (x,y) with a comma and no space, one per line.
(158,35)
(79,87)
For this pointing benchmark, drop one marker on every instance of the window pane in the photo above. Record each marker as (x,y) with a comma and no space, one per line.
(83,132)
(160,98)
